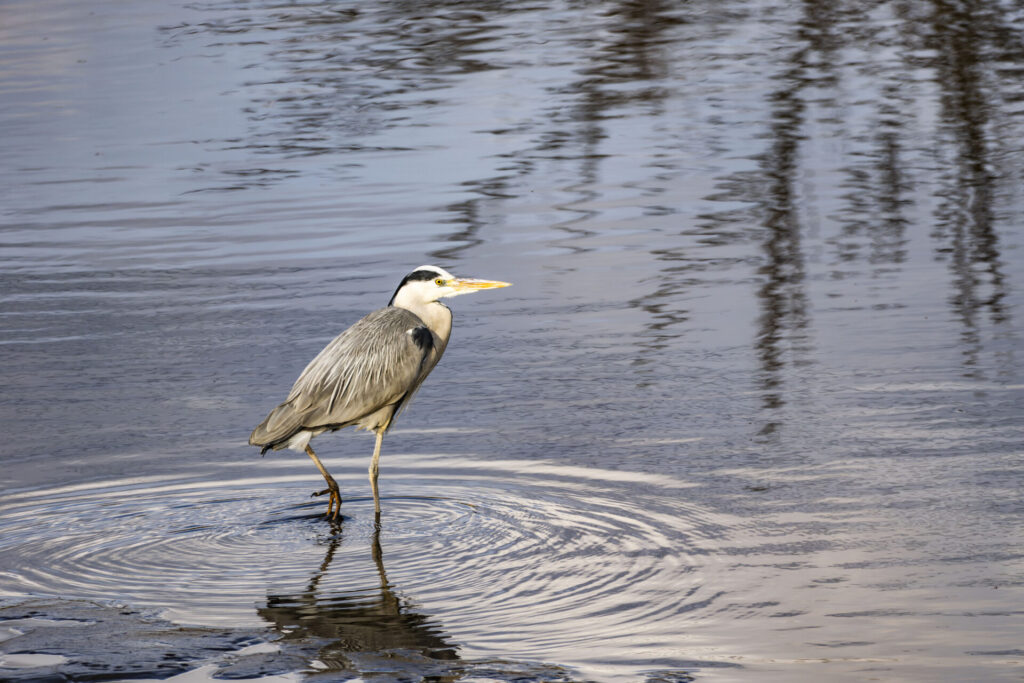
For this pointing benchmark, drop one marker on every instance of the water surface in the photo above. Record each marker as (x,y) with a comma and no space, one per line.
(753,406)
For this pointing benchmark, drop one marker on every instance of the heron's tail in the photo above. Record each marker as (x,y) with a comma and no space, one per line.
(275,431)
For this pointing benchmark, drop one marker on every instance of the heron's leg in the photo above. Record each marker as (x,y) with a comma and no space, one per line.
(374,470)
(332,486)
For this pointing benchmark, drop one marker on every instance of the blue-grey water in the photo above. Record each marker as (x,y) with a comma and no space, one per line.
(752,410)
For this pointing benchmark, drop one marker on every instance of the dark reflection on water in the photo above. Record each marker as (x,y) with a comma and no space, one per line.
(783,320)
(969,41)
(366,620)
(754,400)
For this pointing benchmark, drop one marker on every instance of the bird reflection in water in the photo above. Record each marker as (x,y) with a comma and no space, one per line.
(360,630)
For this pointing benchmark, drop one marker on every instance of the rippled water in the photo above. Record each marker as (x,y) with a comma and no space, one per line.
(753,407)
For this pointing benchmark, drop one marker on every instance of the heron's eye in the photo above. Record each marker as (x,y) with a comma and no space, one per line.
(439,282)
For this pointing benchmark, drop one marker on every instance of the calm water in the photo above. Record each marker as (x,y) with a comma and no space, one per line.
(754,408)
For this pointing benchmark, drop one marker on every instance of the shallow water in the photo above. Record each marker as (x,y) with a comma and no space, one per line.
(753,407)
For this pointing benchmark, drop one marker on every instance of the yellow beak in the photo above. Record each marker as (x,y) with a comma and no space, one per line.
(469,284)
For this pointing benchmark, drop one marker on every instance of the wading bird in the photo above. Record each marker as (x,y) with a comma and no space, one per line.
(368,373)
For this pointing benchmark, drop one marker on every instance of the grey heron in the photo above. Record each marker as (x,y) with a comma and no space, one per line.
(368,373)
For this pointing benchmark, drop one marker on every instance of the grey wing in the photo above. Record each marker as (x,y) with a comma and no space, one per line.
(374,364)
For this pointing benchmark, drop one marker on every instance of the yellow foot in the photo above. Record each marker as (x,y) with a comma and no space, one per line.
(333,508)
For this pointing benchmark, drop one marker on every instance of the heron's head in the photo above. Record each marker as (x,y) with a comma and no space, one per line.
(430,283)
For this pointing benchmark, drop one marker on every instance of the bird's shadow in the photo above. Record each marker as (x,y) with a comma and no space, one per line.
(357,628)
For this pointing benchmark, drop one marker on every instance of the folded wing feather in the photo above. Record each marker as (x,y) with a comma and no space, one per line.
(374,364)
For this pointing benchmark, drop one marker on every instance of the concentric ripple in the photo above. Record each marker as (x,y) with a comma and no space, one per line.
(506,558)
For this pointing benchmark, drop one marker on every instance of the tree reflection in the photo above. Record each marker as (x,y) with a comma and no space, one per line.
(782,296)
(844,107)
(360,626)
(966,39)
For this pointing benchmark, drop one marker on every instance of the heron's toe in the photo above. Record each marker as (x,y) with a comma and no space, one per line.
(333,502)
